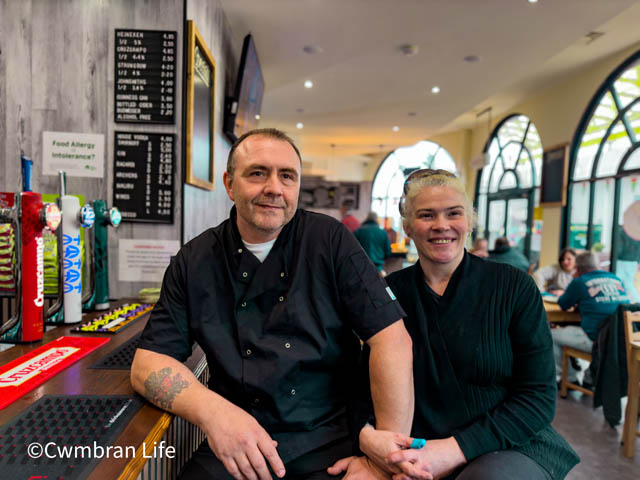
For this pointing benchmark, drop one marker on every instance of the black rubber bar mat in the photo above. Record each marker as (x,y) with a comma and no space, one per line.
(65,436)
(121,358)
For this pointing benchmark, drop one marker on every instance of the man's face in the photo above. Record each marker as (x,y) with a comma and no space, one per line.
(265,187)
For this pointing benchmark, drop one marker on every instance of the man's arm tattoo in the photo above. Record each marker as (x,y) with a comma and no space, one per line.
(161,388)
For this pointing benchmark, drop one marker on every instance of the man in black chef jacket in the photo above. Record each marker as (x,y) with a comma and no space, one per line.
(275,297)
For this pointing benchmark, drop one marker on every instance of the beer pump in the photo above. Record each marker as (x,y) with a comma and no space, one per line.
(68,307)
(28,216)
(99,299)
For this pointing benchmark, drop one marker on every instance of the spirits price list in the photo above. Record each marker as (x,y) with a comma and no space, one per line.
(143,176)
(145,76)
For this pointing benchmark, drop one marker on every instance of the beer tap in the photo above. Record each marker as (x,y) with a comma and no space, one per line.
(28,216)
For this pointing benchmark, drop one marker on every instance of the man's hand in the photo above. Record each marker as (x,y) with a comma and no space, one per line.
(437,459)
(357,468)
(242,445)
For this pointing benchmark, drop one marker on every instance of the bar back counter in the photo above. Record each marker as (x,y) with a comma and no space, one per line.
(149,433)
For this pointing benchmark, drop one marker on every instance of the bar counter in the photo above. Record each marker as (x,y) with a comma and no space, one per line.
(149,425)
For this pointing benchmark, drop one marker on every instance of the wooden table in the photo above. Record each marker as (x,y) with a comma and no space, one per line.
(148,425)
(556,315)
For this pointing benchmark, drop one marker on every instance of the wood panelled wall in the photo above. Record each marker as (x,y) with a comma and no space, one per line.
(203,208)
(57,74)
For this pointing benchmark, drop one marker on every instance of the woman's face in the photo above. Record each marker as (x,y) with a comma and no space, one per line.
(439,224)
(568,262)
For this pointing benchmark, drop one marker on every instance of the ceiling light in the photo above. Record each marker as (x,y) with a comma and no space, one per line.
(533,1)
(435,89)
(312,49)
(308,84)
(299,125)
(408,49)
(257,117)
(395,128)
(472,58)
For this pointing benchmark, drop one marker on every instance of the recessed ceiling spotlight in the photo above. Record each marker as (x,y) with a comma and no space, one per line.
(257,117)
(308,84)
(532,1)
(299,125)
(435,89)
(312,49)
(408,49)
(396,128)
(472,58)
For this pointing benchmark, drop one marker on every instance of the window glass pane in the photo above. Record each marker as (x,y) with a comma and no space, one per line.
(496,221)
(628,85)
(524,170)
(633,161)
(496,174)
(482,214)
(517,222)
(579,215)
(613,150)
(603,116)
(510,155)
(534,145)
(513,129)
(603,221)
(628,237)
(633,117)
(508,181)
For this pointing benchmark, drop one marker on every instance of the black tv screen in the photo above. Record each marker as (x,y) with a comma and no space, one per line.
(242,109)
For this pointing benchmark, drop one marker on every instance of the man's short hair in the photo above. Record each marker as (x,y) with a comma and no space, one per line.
(265,132)
(587,262)
(372,217)
(502,242)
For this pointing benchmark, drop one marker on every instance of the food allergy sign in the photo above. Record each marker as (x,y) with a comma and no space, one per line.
(144,260)
(145,76)
(143,176)
(78,154)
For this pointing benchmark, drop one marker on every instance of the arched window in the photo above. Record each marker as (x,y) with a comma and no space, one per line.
(508,188)
(604,195)
(389,180)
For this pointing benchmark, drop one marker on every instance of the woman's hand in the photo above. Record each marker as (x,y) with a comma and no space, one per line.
(378,444)
(437,459)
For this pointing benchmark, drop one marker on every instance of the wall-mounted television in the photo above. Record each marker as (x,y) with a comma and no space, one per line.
(243,109)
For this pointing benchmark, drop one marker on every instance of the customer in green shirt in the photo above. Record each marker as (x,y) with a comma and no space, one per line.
(374,240)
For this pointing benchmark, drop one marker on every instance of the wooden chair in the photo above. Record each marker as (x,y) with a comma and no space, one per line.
(565,383)
(632,341)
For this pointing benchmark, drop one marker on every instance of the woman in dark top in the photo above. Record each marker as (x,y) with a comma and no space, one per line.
(484,374)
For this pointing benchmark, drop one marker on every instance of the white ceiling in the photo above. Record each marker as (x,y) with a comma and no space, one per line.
(364,85)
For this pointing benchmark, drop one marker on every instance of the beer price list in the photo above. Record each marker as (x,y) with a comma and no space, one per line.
(143,176)
(145,76)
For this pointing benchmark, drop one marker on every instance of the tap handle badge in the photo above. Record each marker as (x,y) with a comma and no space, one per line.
(115,217)
(86,216)
(50,216)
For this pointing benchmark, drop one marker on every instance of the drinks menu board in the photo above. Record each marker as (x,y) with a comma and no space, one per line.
(143,176)
(145,76)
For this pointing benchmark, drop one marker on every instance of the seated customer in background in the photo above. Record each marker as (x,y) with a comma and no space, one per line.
(555,278)
(374,240)
(480,247)
(483,371)
(596,294)
(504,253)
(348,219)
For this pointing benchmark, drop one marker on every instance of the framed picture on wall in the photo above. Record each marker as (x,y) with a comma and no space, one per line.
(555,173)
(201,94)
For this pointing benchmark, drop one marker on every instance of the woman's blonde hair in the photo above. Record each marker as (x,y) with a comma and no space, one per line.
(421,179)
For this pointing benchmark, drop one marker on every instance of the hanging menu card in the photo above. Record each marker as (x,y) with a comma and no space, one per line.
(143,176)
(145,76)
